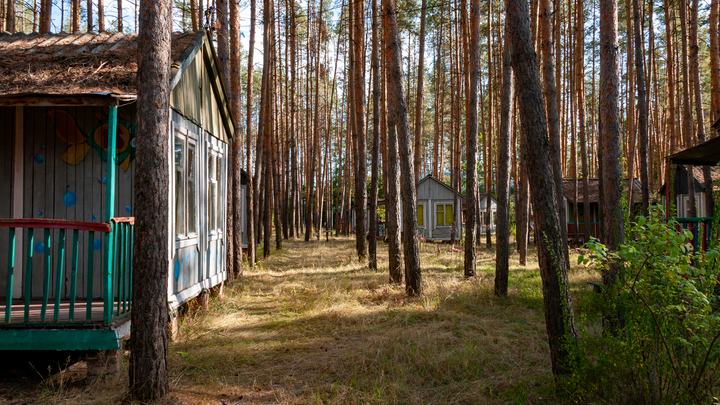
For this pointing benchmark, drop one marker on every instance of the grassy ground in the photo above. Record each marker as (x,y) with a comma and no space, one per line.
(310,325)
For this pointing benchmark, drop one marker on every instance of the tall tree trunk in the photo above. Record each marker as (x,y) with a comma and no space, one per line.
(101,17)
(193,15)
(10,16)
(294,176)
(419,91)
(687,114)
(502,255)
(249,187)
(46,15)
(536,151)
(120,26)
(610,135)
(359,98)
(580,87)
(714,60)
(670,192)
(398,118)
(148,375)
(488,134)
(235,163)
(553,121)
(372,208)
(642,111)
(89,8)
(699,113)
(472,142)
(523,197)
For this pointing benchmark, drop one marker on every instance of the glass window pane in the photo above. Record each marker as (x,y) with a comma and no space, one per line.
(420,215)
(179,187)
(218,193)
(440,215)
(211,193)
(191,173)
(448,214)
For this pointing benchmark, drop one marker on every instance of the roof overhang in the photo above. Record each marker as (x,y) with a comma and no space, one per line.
(65,100)
(705,154)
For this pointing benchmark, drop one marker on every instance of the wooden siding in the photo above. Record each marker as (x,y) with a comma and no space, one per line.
(7,135)
(63,178)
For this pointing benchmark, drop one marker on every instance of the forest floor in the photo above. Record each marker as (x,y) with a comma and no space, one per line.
(310,325)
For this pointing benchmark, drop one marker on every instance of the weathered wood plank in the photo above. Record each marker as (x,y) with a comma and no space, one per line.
(53,224)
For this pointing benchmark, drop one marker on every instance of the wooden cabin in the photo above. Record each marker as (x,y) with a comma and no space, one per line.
(485,200)
(67,164)
(682,192)
(593,206)
(437,208)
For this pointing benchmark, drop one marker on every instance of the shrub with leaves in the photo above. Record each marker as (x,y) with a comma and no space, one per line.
(666,346)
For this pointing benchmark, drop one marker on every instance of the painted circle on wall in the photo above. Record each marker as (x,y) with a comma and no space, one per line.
(40,213)
(39,158)
(104,180)
(69,199)
(39,247)
(128,209)
(97,244)
(94,217)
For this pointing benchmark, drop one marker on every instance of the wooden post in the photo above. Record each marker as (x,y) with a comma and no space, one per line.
(17,192)
(109,213)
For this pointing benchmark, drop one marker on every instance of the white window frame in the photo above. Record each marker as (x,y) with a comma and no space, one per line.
(435,211)
(182,236)
(215,232)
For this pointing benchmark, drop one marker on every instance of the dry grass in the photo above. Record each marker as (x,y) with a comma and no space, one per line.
(310,325)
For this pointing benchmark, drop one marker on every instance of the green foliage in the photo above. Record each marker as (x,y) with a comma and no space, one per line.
(665,347)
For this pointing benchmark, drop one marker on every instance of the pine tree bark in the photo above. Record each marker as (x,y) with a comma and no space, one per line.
(89,13)
(235,163)
(419,91)
(472,142)
(249,187)
(536,152)
(120,26)
(373,199)
(502,250)
(642,111)
(101,17)
(148,375)
(360,135)
(699,113)
(687,114)
(610,135)
(10,16)
(553,121)
(223,50)
(580,87)
(398,118)
(714,60)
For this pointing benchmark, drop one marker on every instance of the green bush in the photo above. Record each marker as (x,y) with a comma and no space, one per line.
(665,346)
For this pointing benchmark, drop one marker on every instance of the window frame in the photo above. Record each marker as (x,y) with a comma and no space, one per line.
(187,138)
(443,204)
(215,231)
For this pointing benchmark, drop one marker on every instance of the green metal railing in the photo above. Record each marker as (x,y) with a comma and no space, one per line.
(117,260)
(701,229)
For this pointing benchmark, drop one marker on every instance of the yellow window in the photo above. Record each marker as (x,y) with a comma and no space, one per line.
(440,215)
(448,214)
(421,215)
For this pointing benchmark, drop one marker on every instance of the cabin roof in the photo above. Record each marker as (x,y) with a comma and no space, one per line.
(681,180)
(77,64)
(704,154)
(594,190)
(430,177)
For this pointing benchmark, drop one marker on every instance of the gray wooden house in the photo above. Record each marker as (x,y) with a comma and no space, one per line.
(437,209)
(67,150)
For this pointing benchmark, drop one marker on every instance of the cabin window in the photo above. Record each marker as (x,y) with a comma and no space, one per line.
(444,214)
(212,192)
(191,206)
(421,214)
(179,186)
(185,180)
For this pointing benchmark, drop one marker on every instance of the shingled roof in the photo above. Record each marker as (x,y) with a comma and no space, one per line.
(80,63)
(594,190)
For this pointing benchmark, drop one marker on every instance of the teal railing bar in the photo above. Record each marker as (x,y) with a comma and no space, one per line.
(132,239)
(73,275)
(10,271)
(126,266)
(59,273)
(89,272)
(28,274)
(109,213)
(46,277)
(121,265)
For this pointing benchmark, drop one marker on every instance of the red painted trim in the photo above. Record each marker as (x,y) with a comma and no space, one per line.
(123,220)
(54,224)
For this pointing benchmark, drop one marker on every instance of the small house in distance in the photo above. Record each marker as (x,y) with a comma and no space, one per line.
(437,208)
(484,198)
(67,162)
(592,205)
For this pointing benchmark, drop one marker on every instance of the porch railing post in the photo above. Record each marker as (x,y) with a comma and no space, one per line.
(109,213)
